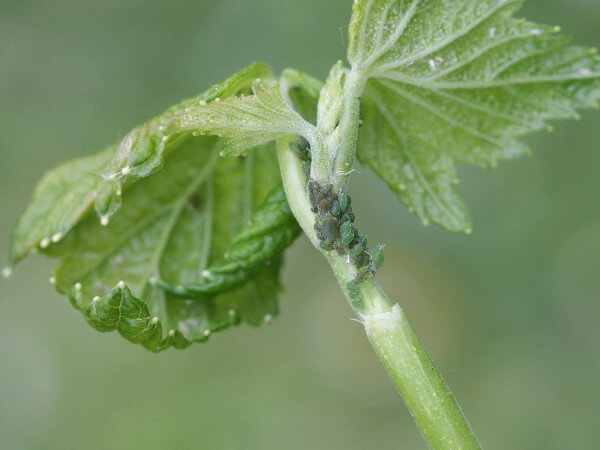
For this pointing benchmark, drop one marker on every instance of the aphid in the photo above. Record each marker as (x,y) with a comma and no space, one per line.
(353,293)
(346,233)
(352,287)
(344,201)
(360,246)
(303,144)
(313,187)
(377,256)
(356,301)
(328,226)
(325,204)
(348,215)
(328,189)
(362,260)
(326,246)
(335,208)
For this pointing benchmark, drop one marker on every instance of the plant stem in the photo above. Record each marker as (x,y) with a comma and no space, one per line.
(425,392)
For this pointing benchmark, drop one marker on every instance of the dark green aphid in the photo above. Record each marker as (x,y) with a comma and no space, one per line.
(328,226)
(352,287)
(335,208)
(360,246)
(303,144)
(362,260)
(356,302)
(346,233)
(325,246)
(344,201)
(325,204)
(348,216)
(328,189)
(377,256)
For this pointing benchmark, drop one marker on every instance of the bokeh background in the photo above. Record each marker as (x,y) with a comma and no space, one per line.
(510,314)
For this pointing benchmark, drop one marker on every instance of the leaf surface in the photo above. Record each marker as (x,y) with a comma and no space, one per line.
(203,224)
(196,247)
(246,121)
(458,81)
(144,148)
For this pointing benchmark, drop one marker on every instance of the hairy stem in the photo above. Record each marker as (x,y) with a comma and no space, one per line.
(349,124)
(425,392)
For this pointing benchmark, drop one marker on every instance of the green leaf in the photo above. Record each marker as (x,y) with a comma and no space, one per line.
(271,230)
(197,213)
(60,200)
(302,91)
(214,227)
(65,194)
(246,121)
(455,82)
(143,150)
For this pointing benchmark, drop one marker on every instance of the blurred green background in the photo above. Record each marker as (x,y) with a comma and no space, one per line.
(510,314)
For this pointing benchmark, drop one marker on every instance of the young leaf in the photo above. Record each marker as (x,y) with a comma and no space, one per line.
(59,202)
(244,122)
(302,91)
(271,230)
(66,193)
(457,82)
(142,151)
(175,225)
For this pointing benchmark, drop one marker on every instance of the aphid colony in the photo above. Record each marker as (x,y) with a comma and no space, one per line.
(335,227)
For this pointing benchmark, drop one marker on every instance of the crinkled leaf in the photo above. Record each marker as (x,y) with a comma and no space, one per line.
(246,121)
(66,193)
(218,226)
(142,151)
(271,230)
(457,81)
(178,223)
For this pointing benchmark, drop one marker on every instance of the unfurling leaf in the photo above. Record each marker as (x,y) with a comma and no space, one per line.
(271,230)
(216,227)
(60,200)
(194,214)
(143,150)
(302,91)
(246,121)
(459,82)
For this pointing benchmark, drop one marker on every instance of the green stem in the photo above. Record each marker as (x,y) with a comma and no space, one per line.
(425,392)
